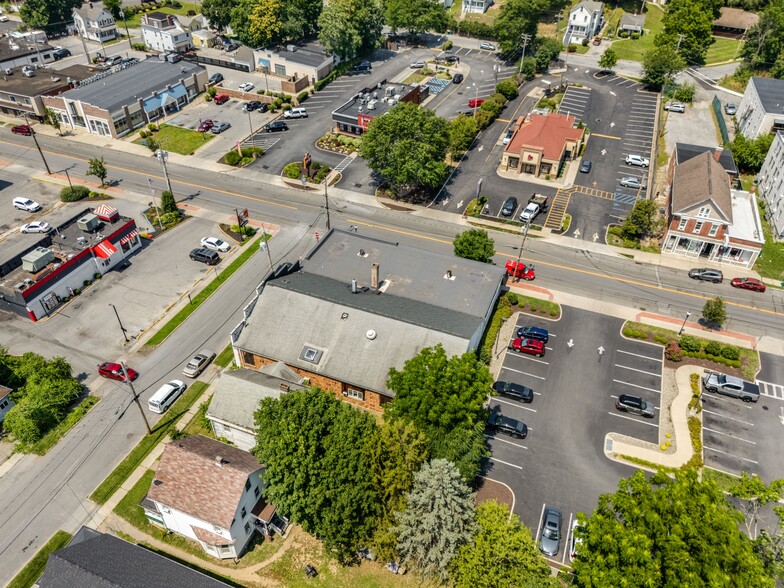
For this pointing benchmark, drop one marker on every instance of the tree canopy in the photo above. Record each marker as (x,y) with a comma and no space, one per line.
(45,13)
(608,59)
(417,16)
(462,132)
(688,26)
(474,244)
(348,28)
(715,311)
(219,12)
(660,65)
(764,44)
(750,154)
(258,22)
(515,18)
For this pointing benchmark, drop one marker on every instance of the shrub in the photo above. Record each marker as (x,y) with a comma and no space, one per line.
(512,298)
(713,348)
(730,352)
(302,96)
(191,13)
(74,194)
(77,291)
(153,127)
(660,339)
(291,171)
(572,48)
(97,276)
(585,42)
(508,88)
(635,35)
(139,47)
(86,283)
(168,204)
(553,312)
(533,308)
(232,157)
(624,34)
(170,219)
(673,352)
(447,46)
(627,332)
(690,344)
(144,134)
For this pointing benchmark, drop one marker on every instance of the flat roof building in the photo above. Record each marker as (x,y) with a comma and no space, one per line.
(353,116)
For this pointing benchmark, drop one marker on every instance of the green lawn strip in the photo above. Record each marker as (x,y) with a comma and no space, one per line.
(33,570)
(225,357)
(52,437)
(124,469)
(178,139)
(722,50)
(197,300)
(770,263)
(723,480)
(644,463)
(135,21)
(199,424)
(634,49)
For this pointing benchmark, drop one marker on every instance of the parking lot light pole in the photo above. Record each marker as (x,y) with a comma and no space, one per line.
(155,204)
(683,326)
(250,124)
(136,398)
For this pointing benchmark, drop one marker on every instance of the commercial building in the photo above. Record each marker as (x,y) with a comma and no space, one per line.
(22,95)
(309,61)
(542,144)
(353,116)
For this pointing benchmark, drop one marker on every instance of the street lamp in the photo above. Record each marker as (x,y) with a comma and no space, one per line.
(119,321)
(683,326)
(162,156)
(155,203)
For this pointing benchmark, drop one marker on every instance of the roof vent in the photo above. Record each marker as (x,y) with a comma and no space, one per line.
(362,253)
(371,334)
(157,482)
(219,461)
(354,286)
(284,387)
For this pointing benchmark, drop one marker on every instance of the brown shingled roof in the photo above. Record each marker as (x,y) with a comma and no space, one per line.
(735,18)
(190,480)
(699,180)
(546,133)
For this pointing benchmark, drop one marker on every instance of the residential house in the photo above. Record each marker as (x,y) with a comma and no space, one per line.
(97,560)
(542,144)
(708,220)
(585,21)
(770,186)
(209,492)
(21,95)
(6,403)
(353,116)
(734,22)
(632,23)
(16,53)
(119,101)
(310,61)
(163,32)
(761,109)
(356,306)
(476,6)
(94,23)
(237,394)
(683,152)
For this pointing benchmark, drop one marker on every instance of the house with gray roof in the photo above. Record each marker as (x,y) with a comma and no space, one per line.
(356,306)
(761,111)
(586,19)
(632,23)
(94,23)
(237,394)
(129,96)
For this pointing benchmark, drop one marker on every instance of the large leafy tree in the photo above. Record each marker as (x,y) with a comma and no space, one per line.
(668,533)
(639,222)
(474,244)
(41,13)
(462,132)
(302,18)
(515,18)
(114,7)
(437,520)
(753,495)
(547,50)
(765,41)
(417,16)
(318,471)
(608,59)
(660,65)
(350,27)
(465,446)
(750,155)
(769,547)
(219,12)
(693,20)
(501,554)
(258,22)
(407,146)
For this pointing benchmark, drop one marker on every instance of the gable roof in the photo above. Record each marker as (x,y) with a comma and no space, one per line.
(92,11)
(190,480)
(546,133)
(686,151)
(701,180)
(735,18)
(589,5)
(771,94)
(95,560)
(633,20)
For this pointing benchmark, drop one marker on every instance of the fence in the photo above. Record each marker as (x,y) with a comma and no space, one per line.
(720,119)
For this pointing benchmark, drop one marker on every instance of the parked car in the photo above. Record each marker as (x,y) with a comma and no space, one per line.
(276,126)
(296,113)
(36,227)
(417,65)
(129,61)
(22,130)
(730,108)
(219,127)
(637,160)
(3,18)
(550,537)
(748,284)
(215,244)
(251,106)
(536,333)
(508,136)
(635,405)
(114,371)
(597,40)
(26,204)
(215,78)
(113,60)
(499,423)
(206,125)
(706,274)
(585,166)
(487,46)
(246,87)
(221,99)
(263,107)
(509,206)
(475,102)
(632,182)
(575,541)
(61,53)
(675,107)
(204,256)
(165,396)
(198,363)
(458,77)
(528,346)
(514,391)
(363,67)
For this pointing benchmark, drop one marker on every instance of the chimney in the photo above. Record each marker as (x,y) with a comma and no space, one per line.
(374,275)
(717,153)
(354,286)
(219,461)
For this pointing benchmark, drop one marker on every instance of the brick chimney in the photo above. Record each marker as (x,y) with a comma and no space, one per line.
(717,153)
(374,276)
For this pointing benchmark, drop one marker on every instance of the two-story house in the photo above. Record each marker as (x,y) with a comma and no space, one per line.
(6,404)
(94,23)
(770,185)
(476,6)
(585,21)
(761,110)
(163,32)
(209,492)
(707,219)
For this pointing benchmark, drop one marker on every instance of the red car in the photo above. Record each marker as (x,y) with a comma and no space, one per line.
(529,346)
(114,371)
(206,125)
(22,130)
(748,284)
(221,98)
(475,102)
(520,270)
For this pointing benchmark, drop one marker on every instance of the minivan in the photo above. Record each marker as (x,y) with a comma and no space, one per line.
(296,113)
(165,396)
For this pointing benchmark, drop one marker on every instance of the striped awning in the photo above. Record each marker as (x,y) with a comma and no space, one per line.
(105,249)
(128,237)
(104,211)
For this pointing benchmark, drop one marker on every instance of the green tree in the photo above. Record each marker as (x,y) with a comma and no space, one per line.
(301,18)
(765,41)
(688,27)
(407,146)
(639,222)
(660,65)
(754,495)
(417,16)
(547,50)
(42,13)
(501,554)
(258,22)
(769,547)
(750,155)
(465,446)
(529,68)
(515,18)
(349,28)
(715,311)
(52,118)
(317,466)
(508,89)
(97,168)
(219,12)
(113,7)
(666,532)
(608,59)
(152,144)
(462,132)
(474,244)
(168,204)
(438,519)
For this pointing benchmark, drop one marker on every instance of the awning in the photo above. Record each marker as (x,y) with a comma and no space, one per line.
(105,249)
(128,237)
(106,212)
(156,102)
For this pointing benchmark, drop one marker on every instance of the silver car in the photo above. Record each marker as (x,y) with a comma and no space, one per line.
(637,160)
(219,127)
(198,363)
(550,537)
(632,182)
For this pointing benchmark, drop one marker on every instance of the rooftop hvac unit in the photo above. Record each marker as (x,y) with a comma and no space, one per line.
(88,223)
(37,260)
(372,105)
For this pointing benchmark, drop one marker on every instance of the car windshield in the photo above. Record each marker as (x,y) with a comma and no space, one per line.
(550,533)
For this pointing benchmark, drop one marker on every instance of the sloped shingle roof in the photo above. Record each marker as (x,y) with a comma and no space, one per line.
(546,133)
(701,179)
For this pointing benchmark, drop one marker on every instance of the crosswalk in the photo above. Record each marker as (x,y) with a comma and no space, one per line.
(262,140)
(558,209)
(345,163)
(771,390)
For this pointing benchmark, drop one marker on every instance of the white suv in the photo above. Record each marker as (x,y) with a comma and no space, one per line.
(637,160)
(296,113)
(26,204)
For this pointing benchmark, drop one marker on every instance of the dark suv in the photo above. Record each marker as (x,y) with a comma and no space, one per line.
(499,423)
(635,405)
(509,206)
(514,391)
(205,255)
(536,333)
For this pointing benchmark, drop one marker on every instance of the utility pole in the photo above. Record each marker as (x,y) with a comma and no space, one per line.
(264,244)
(526,38)
(155,204)
(162,155)
(37,146)
(136,398)
(122,16)
(326,201)
(681,37)
(119,321)
(524,230)
(84,46)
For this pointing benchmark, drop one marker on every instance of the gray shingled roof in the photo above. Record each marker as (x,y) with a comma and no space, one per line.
(590,5)
(686,151)
(93,13)
(701,180)
(95,560)
(771,94)
(136,82)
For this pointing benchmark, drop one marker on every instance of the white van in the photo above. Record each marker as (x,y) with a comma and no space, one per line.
(165,396)
(296,113)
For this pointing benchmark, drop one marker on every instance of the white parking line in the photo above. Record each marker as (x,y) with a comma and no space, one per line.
(566,545)
(728,417)
(626,367)
(506,463)
(730,454)
(639,354)
(517,404)
(746,405)
(522,372)
(628,418)
(730,436)
(494,438)
(636,386)
(531,357)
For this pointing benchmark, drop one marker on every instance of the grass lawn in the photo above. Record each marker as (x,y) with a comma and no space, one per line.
(722,50)
(135,21)
(114,480)
(634,49)
(33,570)
(179,140)
(770,263)
(723,480)
(52,437)
(199,424)
(180,317)
(225,357)
(415,78)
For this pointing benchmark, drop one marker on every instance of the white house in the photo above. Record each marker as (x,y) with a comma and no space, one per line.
(585,21)
(476,6)
(94,23)
(6,403)
(770,185)
(209,492)
(761,110)
(163,32)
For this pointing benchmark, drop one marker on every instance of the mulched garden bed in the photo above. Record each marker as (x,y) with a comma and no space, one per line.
(492,490)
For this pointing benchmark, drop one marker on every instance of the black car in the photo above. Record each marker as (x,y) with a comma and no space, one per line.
(536,333)
(457,78)
(585,166)
(509,206)
(363,67)
(252,105)
(215,78)
(514,391)
(61,53)
(276,125)
(499,423)
(635,405)
(706,275)
(204,255)
(263,107)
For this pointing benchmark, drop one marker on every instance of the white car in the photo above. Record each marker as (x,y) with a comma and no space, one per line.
(632,182)
(215,244)
(3,18)
(36,227)
(417,65)
(508,137)
(637,160)
(26,204)
(675,107)
(246,87)
(486,45)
